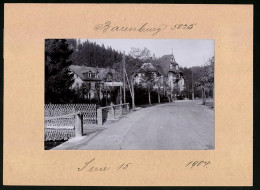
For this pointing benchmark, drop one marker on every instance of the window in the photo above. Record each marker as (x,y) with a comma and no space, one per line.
(109,77)
(89,74)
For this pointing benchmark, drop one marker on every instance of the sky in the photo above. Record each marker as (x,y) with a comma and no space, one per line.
(187,52)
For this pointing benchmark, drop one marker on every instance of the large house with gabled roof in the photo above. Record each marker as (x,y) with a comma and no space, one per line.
(93,77)
(167,71)
(170,69)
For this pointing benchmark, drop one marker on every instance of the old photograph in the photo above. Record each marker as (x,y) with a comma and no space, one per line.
(129,94)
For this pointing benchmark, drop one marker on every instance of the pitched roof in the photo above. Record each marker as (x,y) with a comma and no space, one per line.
(149,67)
(164,64)
(82,71)
(78,70)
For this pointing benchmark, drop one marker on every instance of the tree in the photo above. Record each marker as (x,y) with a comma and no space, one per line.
(58,79)
(205,78)
(133,64)
(160,81)
(92,54)
(148,80)
(188,78)
(176,90)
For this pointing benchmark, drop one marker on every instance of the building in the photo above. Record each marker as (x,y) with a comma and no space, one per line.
(167,73)
(94,80)
(147,68)
(169,68)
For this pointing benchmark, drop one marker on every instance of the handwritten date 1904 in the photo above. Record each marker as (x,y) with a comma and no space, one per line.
(192,164)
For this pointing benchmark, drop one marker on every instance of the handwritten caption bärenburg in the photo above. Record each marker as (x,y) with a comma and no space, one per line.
(108,26)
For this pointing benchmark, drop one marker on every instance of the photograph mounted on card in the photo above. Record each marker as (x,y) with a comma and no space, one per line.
(98,98)
(128,95)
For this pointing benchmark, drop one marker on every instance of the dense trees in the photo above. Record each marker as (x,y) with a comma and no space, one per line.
(200,80)
(92,54)
(58,80)
(205,78)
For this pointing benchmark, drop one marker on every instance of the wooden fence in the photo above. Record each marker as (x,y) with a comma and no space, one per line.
(54,133)
(63,121)
(111,112)
(89,112)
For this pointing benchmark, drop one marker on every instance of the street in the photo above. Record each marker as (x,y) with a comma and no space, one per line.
(181,125)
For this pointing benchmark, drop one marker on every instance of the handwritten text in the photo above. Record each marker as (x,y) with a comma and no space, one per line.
(90,166)
(108,26)
(192,164)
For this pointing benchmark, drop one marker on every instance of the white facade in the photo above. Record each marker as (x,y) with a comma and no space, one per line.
(77,81)
(172,78)
(181,84)
(93,78)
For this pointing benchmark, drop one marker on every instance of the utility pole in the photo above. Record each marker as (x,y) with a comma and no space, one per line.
(120,88)
(192,90)
(124,76)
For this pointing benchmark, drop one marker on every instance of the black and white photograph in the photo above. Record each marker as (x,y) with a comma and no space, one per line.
(129,94)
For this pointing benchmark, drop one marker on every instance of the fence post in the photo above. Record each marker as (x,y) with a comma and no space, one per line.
(121,109)
(95,113)
(78,125)
(99,116)
(113,112)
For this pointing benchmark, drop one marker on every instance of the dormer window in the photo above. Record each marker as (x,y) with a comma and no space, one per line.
(89,74)
(170,66)
(93,75)
(177,67)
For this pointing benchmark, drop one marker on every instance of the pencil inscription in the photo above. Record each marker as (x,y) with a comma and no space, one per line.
(193,164)
(90,166)
(146,27)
